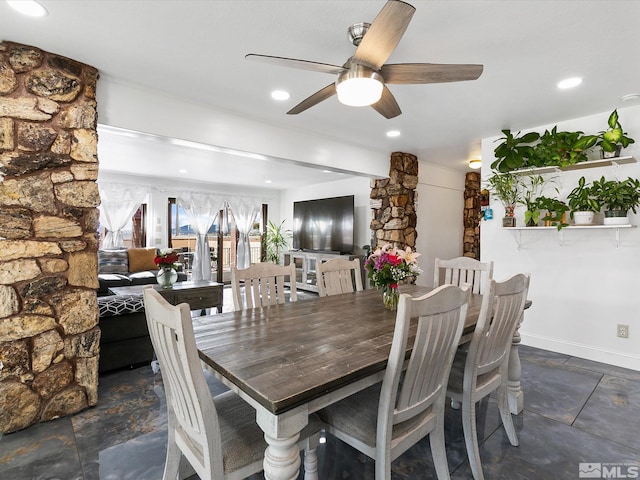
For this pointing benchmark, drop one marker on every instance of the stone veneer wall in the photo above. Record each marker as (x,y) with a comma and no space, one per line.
(49,336)
(471,242)
(393,201)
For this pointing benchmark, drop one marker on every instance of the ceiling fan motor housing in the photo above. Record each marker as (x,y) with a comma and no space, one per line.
(357,31)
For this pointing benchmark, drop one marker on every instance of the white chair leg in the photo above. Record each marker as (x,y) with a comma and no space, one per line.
(172,461)
(505,414)
(311,457)
(439,452)
(471,437)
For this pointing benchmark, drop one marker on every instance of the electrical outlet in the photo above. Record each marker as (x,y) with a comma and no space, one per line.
(623,331)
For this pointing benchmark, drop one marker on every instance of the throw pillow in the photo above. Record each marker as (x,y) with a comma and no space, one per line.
(113,261)
(141,259)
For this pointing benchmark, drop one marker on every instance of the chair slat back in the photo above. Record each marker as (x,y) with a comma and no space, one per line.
(338,276)
(441,315)
(264,284)
(192,414)
(502,309)
(461,270)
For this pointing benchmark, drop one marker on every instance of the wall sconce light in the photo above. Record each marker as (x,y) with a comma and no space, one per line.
(475,164)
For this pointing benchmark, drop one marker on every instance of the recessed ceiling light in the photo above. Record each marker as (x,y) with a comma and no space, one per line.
(569,82)
(28,7)
(393,133)
(182,170)
(280,95)
(631,97)
(267,181)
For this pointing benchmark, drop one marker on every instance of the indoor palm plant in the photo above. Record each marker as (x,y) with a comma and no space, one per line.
(583,203)
(276,239)
(617,197)
(614,139)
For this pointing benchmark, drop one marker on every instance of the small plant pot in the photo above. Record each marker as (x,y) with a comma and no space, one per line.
(616,217)
(509,221)
(583,218)
(615,153)
(553,220)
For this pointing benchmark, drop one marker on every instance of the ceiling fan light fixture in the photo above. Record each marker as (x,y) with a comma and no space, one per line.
(359,86)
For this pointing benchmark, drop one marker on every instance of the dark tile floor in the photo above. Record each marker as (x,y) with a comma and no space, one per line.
(576,411)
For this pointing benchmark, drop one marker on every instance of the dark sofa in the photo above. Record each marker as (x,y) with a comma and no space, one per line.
(127,267)
(124,339)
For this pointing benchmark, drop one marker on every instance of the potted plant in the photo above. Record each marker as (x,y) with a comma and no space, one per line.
(583,203)
(561,148)
(531,187)
(505,187)
(614,139)
(618,197)
(556,209)
(277,238)
(514,151)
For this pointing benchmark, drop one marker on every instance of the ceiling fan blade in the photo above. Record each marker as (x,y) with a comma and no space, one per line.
(295,63)
(387,105)
(384,34)
(314,99)
(419,73)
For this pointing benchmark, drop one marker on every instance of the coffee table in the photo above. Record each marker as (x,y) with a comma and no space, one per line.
(199,295)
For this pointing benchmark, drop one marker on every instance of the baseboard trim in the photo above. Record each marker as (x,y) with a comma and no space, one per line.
(588,352)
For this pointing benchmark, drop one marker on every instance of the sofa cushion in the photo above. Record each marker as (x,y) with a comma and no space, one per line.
(141,259)
(113,261)
(143,278)
(106,281)
(120,305)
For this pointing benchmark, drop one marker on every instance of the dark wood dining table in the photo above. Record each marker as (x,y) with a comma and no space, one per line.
(291,360)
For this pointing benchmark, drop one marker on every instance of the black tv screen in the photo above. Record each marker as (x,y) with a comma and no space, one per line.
(324,225)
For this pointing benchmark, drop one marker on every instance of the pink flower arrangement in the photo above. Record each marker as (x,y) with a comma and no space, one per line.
(388,265)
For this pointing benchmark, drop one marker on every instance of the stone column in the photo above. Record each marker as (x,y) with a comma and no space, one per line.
(471,242)
(393,201)
(49,336)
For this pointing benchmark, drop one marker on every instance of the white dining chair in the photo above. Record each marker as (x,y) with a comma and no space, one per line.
(386,419)
(264,284)
(481,368)
(338,275)
(463,270)
(217,435)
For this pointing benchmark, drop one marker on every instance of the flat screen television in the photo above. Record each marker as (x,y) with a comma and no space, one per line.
(324,225)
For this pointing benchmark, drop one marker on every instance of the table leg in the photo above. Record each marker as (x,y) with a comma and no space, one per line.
(514,388)
(282,456)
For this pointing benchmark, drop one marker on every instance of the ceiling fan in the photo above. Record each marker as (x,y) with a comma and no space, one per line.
(362,79)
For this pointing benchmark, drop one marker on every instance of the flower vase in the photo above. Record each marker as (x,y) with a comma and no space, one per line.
(167,276)
(390,297)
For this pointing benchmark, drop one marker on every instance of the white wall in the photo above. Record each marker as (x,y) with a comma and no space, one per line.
(583,289)
(440,208)
(140,109)
(359,187)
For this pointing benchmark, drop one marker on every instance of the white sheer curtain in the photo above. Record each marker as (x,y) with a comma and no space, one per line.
(245,211)
(202,209)
(118,204)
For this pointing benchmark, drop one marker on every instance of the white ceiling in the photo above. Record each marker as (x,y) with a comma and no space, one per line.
(195,49)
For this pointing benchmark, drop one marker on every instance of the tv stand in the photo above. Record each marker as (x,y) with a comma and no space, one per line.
(305,262)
